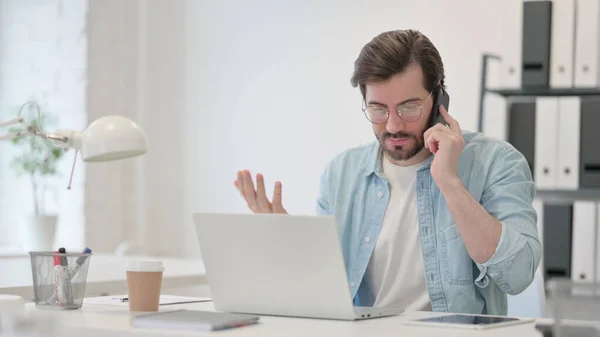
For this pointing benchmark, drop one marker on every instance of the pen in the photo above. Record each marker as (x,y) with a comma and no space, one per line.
(72,272)
(57,295)
(65,279)
(78,263)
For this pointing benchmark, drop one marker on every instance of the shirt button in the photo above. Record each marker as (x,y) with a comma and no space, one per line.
(368,239)
(380,194)
(352,284)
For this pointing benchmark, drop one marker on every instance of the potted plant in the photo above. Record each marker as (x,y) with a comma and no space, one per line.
(37,160)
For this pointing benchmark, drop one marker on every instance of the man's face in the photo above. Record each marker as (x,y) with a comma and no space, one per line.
(401,140)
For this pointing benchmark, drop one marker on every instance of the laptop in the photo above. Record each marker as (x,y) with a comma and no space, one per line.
(277,264)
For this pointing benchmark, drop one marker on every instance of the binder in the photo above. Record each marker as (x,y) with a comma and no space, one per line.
(589,165)
(563,44)
(511,44)
(537,20)
(521,130)
(557,240)
(583,237)
(569,127)
(587,46)
(546,142)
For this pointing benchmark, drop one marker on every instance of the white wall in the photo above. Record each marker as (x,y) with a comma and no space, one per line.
(163,97)
(136,69)
(42,57)
(227,85)
(111,188)
(268,87)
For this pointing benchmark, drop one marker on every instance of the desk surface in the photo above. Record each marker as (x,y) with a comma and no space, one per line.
(106,274)
(114,321)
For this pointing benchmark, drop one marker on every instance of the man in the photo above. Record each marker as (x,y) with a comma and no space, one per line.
(430,217)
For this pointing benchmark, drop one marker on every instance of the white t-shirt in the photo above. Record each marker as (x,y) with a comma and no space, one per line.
(395,276)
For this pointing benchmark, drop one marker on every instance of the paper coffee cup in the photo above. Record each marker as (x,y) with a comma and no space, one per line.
(144,281)
(149,266)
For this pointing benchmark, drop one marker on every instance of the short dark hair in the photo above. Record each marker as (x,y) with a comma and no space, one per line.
(391,52)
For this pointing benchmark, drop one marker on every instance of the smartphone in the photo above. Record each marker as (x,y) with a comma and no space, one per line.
(440,98)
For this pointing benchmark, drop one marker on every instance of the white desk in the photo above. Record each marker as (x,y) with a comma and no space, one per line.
(106,275)
(96,320)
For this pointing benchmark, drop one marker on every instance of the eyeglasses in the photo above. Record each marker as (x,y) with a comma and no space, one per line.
(409,112)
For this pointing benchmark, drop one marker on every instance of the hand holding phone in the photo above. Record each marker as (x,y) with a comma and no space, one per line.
(446,143)
(441,97)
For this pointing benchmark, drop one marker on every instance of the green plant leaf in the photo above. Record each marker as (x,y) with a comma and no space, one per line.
(57,152)
(37,156)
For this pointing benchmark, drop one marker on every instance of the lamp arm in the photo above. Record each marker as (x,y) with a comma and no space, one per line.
(15,121)
(65,138)
(30,130)
(10,136)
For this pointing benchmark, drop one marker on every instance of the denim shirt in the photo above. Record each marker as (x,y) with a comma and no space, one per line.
(354,189)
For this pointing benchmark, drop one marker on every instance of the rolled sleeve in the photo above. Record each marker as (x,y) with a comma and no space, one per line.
(509,197)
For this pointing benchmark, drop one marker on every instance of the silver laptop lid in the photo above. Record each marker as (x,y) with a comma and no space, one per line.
(275,264)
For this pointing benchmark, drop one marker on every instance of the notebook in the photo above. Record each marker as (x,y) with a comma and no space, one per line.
(193,320)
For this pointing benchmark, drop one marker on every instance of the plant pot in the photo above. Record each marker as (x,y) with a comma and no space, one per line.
(38,232)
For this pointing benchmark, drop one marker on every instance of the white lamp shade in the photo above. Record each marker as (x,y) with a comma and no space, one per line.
(112,138)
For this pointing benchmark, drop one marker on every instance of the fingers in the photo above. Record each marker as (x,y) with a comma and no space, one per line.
(431,141)
(441,136)
(249,192)
(257,199)
(239,183)
(452,123)
(277,205)
(237,187)
(261,196)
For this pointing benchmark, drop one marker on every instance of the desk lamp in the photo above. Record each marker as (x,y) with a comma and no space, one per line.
(108,138)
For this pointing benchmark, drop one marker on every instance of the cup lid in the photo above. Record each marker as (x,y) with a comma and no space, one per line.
(141,265)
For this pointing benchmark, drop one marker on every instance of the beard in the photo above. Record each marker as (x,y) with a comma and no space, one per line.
(402,152)
(407,151)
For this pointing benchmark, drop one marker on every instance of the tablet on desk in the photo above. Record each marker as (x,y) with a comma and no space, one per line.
(467,321)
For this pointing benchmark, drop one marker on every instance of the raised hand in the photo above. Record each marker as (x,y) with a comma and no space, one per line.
(256,198)
(446,143)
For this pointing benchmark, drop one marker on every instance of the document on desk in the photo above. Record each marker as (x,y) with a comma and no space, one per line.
(121,300)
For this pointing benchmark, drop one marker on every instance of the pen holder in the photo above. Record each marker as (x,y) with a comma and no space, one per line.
(59,279)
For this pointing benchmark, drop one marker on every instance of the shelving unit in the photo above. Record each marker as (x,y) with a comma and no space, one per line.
(547,195)
(549,86)
(568,196)
(563,256)
(544,92)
